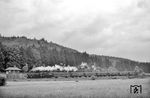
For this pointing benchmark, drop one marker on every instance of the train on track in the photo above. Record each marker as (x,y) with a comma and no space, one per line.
(76,74)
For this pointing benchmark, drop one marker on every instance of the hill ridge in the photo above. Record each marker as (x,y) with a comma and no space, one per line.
(22,51)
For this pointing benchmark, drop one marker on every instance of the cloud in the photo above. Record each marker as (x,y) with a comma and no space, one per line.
(111,27)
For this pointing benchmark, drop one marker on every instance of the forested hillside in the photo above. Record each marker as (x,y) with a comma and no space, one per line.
(21,51)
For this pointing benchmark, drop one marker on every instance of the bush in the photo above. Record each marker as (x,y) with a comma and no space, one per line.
(114,77)
(93,77)
(2,81)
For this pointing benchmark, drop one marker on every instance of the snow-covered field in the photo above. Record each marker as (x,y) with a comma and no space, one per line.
(75,89)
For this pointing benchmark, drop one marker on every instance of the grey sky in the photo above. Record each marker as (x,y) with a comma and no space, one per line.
(109,27)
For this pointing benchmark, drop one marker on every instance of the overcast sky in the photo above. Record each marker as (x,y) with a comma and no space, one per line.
(118,28)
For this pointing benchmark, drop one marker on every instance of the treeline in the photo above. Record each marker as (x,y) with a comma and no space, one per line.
(21,51)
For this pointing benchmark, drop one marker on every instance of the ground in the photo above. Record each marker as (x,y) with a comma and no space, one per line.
(75,89)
